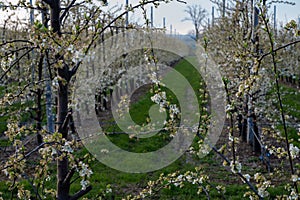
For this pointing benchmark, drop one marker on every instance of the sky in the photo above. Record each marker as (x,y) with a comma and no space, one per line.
(174,13)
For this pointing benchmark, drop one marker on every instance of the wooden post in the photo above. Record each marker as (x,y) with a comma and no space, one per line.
(151,16)
(275,20)
(127,20)
(224,2)
(213,16)
(32,23)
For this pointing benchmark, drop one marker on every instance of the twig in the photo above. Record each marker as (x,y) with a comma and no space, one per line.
(81,193)
(17,40)
(66,10)
(279,48)
(16,62)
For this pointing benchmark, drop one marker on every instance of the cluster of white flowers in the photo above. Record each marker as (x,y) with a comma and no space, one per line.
(293,195)
(204,149)
(173,111)
(44,42)
(67,147)
(154,79)
(84,183)
(123,105)
(263,192)
(85,171)
(71,48)
(262,185)
(235,167)
(55,82)
(78,56)
(229,108)
(160,99)
(294,151)
(4,63)
(108,190)
(191,177)
(295,178)
(247,176)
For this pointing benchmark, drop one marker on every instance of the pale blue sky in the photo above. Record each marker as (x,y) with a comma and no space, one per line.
(174,13)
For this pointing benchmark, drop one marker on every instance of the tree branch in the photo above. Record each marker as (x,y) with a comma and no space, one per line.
(182,1)
(66,10)
(13,41)
(28,154)
(69,176)
(64,125)
(49,2)
(279,48)
(16,62)
(228,161)
(81,193)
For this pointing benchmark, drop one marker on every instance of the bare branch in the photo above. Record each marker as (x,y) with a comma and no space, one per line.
(196,15)
(279,48)
(182,1)
(66,10)
(81,193)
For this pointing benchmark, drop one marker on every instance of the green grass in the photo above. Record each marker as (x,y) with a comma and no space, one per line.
(4,142)
(124,184)
(291,101)
(139,112)
(291,106)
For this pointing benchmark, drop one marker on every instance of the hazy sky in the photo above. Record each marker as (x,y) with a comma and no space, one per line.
(174,13)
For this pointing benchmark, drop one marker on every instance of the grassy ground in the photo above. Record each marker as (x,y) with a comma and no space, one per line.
(123,184)
(291,106)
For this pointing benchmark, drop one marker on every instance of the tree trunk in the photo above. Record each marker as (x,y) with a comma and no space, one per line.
(55,16)
(197,32)
(39,93)
(63,186)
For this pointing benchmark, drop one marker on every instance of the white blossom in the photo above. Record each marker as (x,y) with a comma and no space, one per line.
(159,97)
(108,190)
(85,171)
(84,184)
(263,192)
(174,109)
(67,147)
(294,151)
(247,176)
(236,166)
(295,178)
(293,195)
